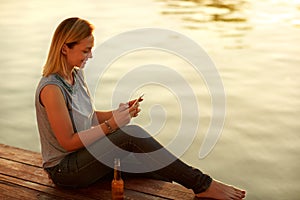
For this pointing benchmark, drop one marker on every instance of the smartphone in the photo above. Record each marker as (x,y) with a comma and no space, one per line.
(136,101)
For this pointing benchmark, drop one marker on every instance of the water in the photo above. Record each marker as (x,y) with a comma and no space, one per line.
(254,44)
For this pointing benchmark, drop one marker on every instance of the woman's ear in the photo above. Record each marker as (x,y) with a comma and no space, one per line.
(64,49)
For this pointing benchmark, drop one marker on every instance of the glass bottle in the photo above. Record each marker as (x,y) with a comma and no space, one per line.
(117,184)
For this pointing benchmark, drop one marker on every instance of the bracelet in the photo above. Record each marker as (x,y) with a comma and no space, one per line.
(108,126)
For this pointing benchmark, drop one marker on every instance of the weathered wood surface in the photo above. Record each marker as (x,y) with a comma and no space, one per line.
(22,177)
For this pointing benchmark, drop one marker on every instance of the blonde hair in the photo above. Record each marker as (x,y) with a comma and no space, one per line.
(70,32)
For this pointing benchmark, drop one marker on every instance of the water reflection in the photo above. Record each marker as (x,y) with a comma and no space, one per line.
(296,21)
(205,11)
(227,17)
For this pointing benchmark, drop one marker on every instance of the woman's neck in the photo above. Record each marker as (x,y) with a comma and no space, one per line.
(69,78)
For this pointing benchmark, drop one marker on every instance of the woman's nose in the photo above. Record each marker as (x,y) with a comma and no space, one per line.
(90,55)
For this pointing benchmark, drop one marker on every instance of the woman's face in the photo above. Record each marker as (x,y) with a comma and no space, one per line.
(80,53)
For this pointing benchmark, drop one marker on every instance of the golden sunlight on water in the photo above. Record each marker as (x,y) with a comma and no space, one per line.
(254,44)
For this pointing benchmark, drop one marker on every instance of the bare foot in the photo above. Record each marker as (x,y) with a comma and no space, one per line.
(218,190)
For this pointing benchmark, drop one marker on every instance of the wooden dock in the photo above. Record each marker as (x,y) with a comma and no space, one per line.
(22,177)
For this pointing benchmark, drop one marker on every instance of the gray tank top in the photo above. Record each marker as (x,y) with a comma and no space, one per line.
(81,111)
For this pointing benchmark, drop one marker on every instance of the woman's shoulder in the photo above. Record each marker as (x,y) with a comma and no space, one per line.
(51,77)
(48,83)
(51,81)
(46,80)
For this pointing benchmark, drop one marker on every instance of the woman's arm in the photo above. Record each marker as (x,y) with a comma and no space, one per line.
(59,119)
(60,122)
(103,115)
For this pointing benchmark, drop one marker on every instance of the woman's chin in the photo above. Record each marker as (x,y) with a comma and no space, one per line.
(82,65)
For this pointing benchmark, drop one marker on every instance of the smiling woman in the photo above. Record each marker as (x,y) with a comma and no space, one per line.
(258,60)
(78,44)
(77,53)
(68,124)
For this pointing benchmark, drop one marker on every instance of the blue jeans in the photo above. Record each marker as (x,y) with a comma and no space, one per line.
(82,168)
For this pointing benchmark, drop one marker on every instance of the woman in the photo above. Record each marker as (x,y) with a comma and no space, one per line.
(68,122)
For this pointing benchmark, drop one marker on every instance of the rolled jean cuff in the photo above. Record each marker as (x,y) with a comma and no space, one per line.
(203,185)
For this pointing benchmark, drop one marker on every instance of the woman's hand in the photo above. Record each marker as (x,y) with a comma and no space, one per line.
(134,105)
(123,115)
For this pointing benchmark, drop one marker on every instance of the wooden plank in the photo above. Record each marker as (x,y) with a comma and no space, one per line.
(12,192)
(160,188)
(32,190)
(25,166)
(20,155)
(146,186)
(25,172)
(92,191)
(35,191)
(36,178)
